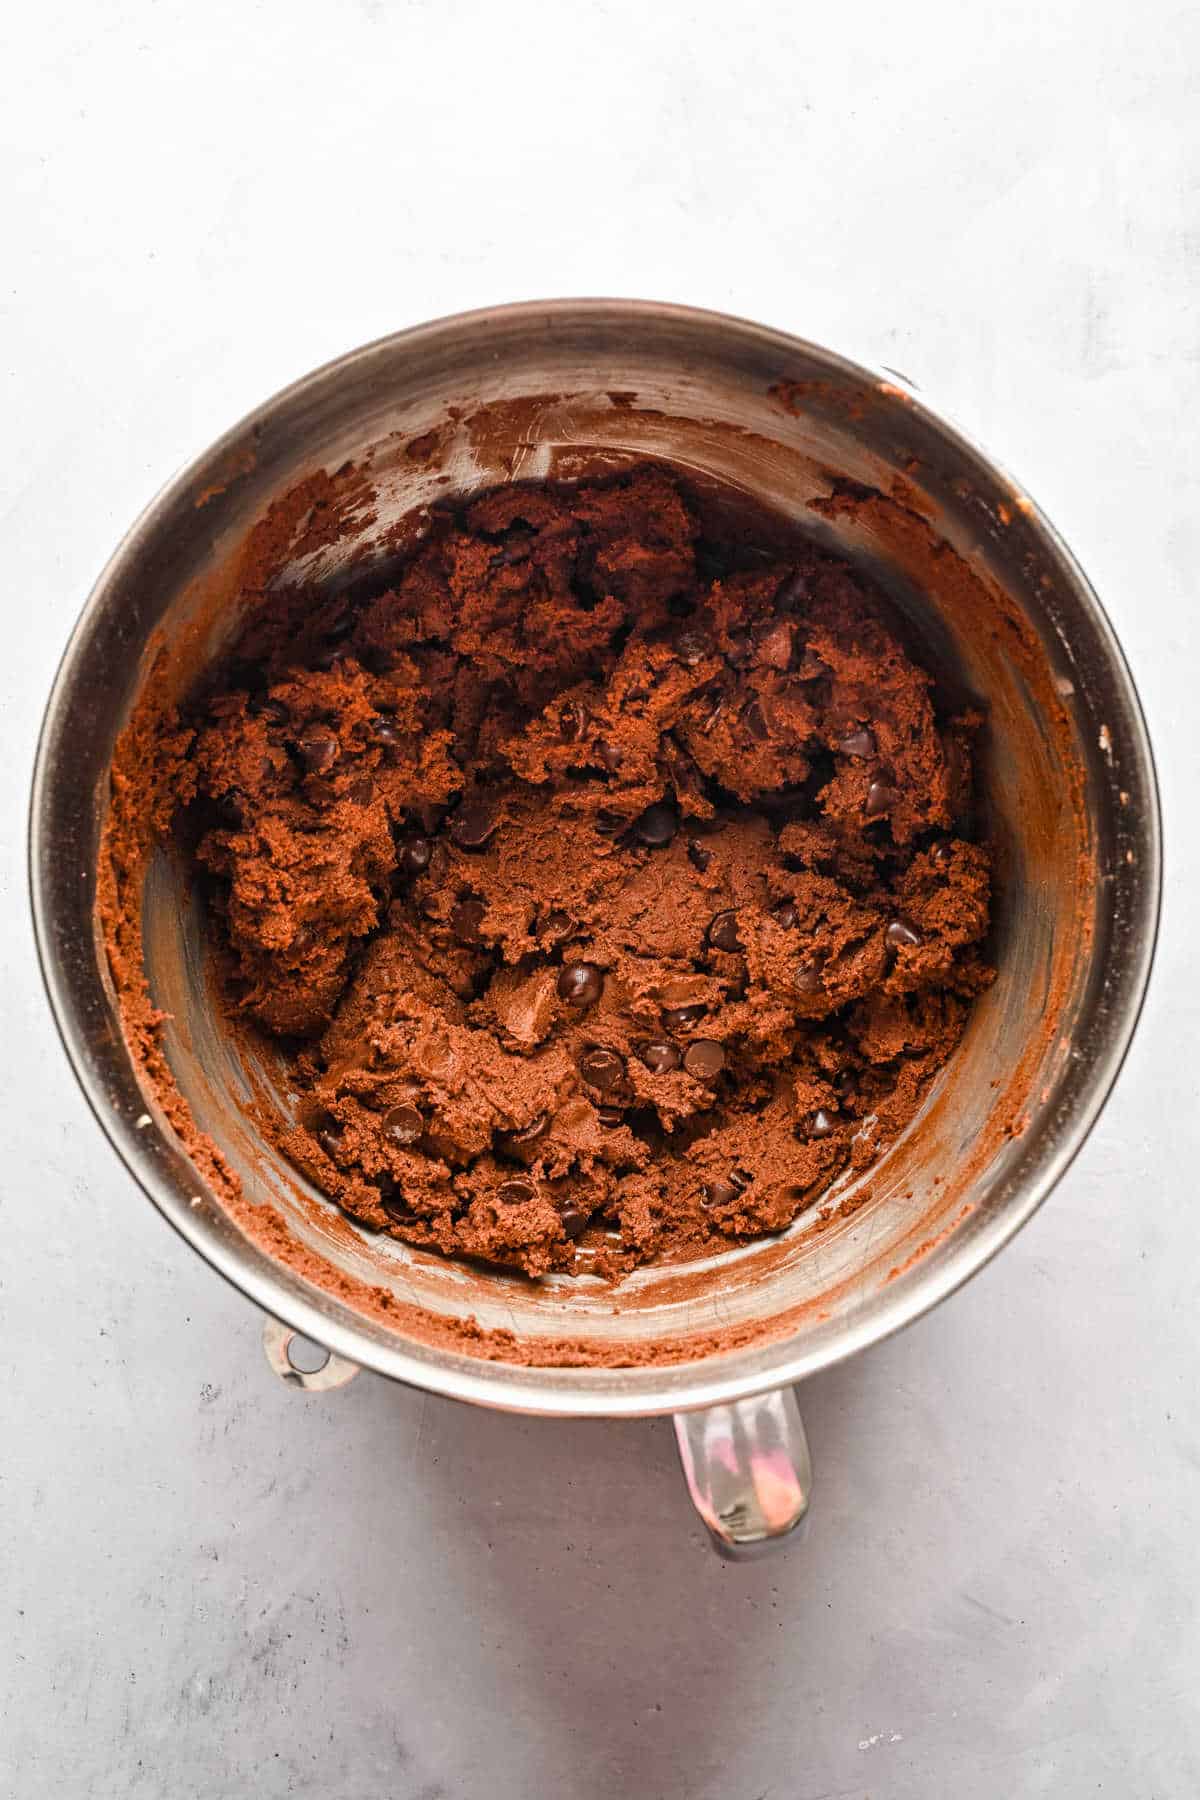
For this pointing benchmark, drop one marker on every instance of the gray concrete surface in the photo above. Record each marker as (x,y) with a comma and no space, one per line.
(214,1587)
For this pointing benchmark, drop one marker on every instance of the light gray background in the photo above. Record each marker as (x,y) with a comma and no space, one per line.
(213,1586)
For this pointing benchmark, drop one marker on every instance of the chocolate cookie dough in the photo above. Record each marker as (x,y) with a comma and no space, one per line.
(608,885)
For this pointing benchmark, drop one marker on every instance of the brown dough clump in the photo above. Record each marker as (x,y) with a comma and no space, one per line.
(604,880)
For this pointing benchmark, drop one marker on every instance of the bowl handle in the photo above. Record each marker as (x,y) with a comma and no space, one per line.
(328,1371)
(748,1470)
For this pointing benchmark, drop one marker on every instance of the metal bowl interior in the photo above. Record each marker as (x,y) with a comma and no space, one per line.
(558,389)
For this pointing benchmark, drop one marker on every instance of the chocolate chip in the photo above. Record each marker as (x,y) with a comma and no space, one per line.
(704,1059)
(473,824)
(609,1116)
(319,748)
(940,853)
(387,732)
(822,1124)
(660,1057)
(879,799)
(723,931)
(775,645)
(601,1069)
(396,1210)
(806,978)
(698,856)
(466,916)
(714,713)
(737,646)
(527,1134)
(609,755)
(573,1220)
(858,743)
(656,826)
(609,823)
(362,790)
(415,853)
(331,1139)
(785,915)
(693,644)
(556,924)
(900,935)
(756,721)
(682,1018)
(580,983)
(516,1192)
(791,591)
(723,1193)
(402,1124)
(272,712)
(572,722)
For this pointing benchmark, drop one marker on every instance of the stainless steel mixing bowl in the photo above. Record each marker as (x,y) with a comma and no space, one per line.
(856,458)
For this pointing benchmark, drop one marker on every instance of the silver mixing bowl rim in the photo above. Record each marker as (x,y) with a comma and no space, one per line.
(680,1386)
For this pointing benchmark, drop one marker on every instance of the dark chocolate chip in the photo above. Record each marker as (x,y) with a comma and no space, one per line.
(415,853)
(572,722)
(516,1192)
(858,743)
(714,713)
(722,1193)
(609,823)
(319,748)
(901,935)
(682,1018)
(580,983)
(785,915)
(362,790)
(940,853)
(704,1059)
(822,1124)
(473,824)
(698,856)
(574,1220)
(738,646)
(756,721)
(609,1116)
(791,591)
(806,978)
(601,1069)
(656,826)
(660,1056)
(879,799)
(723,931)
(466,916)
(387,732)
(396,1210)
(402,1124)
(693,644)
(740,1178)
(556,924)
(331,1138)
(528,1133)
(608,754)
